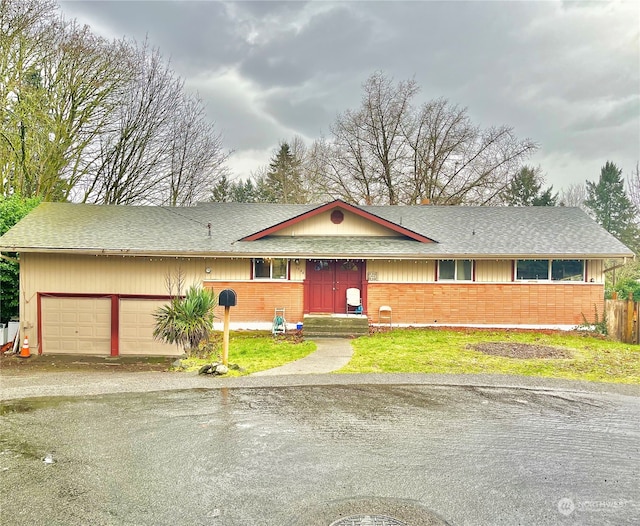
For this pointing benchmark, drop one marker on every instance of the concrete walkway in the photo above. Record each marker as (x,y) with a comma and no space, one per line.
(332,354)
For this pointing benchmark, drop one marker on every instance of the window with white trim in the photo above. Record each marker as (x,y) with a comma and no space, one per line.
(270,268)
(455,269)
(550,269)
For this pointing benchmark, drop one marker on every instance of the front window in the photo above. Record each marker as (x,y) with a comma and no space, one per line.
(554,270)
(458,269)
(532,269)
(567,270)
(270,268)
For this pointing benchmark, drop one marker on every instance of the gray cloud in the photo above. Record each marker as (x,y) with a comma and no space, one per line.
(195,35)
(322,46)
(564,74)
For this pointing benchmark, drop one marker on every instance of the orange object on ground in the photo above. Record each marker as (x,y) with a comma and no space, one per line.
(25,353)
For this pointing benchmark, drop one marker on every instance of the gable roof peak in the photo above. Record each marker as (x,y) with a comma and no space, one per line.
(339,203)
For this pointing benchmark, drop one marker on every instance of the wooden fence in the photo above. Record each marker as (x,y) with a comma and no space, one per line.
(622,319)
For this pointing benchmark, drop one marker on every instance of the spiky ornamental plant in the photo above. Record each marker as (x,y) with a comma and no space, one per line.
(187,320)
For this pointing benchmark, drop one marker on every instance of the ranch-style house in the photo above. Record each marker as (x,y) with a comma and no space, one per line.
(92,275)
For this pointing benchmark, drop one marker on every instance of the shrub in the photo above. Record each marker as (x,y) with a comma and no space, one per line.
(626,286)
(12,209)
(187,320)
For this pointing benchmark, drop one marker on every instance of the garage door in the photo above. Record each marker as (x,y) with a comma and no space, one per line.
(136,328)
(76,325)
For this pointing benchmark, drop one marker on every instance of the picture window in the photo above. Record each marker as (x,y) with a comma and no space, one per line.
(455,270)
(553,270)
(270,268)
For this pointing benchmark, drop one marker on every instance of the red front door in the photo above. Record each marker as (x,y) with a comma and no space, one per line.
(328,281)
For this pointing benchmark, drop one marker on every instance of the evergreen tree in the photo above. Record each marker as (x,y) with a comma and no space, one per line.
(221,192)
(263,191)
(12,209)
(612,208)
(283,181)
(525,189)
(244,192)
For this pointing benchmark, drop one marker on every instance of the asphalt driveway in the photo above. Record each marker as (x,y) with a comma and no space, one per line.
(318,449)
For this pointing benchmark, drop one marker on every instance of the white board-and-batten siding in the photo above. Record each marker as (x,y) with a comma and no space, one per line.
(420,271)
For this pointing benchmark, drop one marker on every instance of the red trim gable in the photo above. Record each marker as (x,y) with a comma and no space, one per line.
(338,203)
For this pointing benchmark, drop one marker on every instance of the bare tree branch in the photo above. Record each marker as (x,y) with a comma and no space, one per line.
(387,152)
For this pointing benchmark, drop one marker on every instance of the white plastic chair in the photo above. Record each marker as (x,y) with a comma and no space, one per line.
(354,302)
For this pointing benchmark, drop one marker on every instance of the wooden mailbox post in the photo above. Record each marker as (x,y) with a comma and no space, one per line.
(227,299)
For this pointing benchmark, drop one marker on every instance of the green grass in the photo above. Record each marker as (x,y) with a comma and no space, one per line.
(254,351)
(442,351)
(447,351)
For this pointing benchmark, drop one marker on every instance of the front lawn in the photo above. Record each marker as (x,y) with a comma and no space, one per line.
(572,355)
(254,351)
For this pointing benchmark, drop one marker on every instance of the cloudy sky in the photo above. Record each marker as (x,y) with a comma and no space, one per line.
(565,74)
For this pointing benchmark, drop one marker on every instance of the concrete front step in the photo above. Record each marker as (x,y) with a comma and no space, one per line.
(335,325)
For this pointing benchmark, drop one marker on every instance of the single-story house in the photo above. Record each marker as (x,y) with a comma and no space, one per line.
(92,275)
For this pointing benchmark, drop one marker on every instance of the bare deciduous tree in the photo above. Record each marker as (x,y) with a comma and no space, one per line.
(388,152)
(573,195)
(130,154)
(57,83)
(371,140)
(88,75)
(633,184)
(197,157)
(160,149)
(93,120)
(24,38)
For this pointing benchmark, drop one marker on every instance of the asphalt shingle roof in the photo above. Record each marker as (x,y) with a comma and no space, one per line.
(458,232)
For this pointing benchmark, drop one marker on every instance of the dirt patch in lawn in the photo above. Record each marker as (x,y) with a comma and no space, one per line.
(524,351)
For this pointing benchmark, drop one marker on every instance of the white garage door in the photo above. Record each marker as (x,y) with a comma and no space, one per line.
(76,325)
(136,329)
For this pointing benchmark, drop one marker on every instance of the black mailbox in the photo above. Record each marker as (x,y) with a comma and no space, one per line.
(227,298)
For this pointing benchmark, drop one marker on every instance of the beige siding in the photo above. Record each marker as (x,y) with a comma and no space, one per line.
(240,270)
(97,275)
(297,271)
(411,271)
(229,269)
(595,270)
(321,225)
(495,271)
(92,274)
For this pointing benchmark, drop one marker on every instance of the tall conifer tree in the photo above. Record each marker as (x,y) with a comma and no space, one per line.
(612,208)
(284,179)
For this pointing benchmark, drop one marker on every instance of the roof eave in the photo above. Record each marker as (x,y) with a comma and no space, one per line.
(290,254)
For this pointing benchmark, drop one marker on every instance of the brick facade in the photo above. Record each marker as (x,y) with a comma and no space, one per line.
(257,300)
(490,303)
(427,303)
